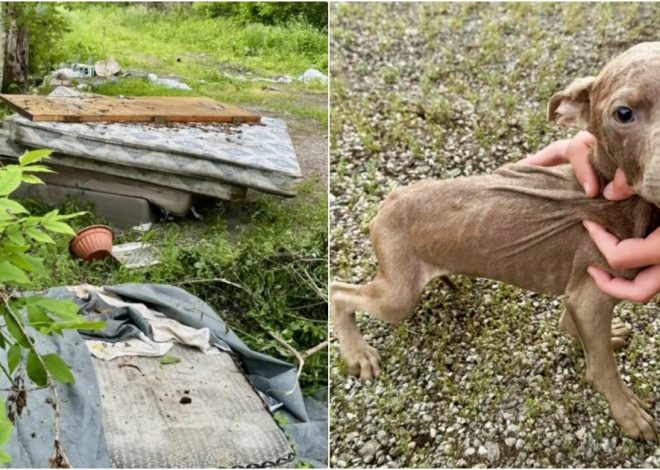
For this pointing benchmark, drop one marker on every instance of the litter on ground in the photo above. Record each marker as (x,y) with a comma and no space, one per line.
(135,255)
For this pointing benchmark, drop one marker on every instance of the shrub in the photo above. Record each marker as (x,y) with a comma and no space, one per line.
(313,13)
(19,233)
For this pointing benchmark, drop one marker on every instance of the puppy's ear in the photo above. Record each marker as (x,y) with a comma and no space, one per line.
(571,106)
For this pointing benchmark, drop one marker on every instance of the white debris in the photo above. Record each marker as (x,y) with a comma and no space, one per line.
(135,255)
(286,79)
(313,74)
(168,82)
(143,227)
(66,74)
(107,68)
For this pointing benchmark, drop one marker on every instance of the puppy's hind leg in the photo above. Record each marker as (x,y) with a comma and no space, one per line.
(391,297)
(361,358)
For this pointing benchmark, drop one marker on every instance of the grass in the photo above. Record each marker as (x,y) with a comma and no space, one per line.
(210,54)
(266,269)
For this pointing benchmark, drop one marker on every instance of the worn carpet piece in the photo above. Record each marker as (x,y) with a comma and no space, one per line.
(200,412)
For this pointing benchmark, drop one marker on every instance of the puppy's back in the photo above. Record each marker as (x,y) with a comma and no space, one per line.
(520,224)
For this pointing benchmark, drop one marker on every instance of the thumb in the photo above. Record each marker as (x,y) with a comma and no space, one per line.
(618,189)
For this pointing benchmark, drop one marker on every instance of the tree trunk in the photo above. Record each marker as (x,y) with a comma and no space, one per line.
(3,37)
(16,50)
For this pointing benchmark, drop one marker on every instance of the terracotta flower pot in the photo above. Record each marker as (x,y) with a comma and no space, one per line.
(92,243)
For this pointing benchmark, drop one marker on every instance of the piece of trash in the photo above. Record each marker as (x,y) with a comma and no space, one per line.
(286,79)
(196,214)
(92,243)
(313,74)
(168,82)
(143,227)
(85,70)
(66,74)
(135,255)
(166,360)
(185,400)
(272,403)
(107,68)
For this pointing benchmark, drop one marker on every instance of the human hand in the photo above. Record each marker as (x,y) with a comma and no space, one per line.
(629,253)
(576,152)
(642,289)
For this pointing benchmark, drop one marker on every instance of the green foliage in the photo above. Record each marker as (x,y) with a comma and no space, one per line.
(5,432)
(20,234)
(313,13)
(217,56)
(140,37)
(281,418)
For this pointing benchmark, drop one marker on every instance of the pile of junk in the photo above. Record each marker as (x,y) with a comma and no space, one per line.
(137,159)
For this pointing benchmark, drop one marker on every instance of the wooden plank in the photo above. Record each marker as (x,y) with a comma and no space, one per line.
(137,109)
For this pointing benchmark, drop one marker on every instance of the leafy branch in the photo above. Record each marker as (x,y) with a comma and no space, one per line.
(26,315)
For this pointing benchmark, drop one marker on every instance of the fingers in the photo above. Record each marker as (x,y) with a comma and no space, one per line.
(552,155)
(642,289)
(618,189)
(604,240)
(577,154)
(586,138)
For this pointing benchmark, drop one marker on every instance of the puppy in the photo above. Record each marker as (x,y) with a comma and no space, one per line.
(523,225)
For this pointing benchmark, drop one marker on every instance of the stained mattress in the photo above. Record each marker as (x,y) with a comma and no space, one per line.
(258,156)
(199,413)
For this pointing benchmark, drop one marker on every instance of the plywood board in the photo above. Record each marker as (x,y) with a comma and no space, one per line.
(139,109)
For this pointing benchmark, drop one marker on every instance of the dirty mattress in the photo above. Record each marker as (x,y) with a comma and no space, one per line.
(191,156)
(257,156)
(202,404)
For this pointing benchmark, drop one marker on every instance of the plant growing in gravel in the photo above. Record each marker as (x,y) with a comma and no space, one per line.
(27,315)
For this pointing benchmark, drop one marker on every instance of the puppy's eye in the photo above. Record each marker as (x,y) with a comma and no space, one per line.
(624,114)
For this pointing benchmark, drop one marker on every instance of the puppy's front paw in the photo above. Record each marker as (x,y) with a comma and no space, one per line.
(631,414)
(362,361)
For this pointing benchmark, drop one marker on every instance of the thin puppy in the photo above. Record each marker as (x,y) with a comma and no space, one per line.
(523,225)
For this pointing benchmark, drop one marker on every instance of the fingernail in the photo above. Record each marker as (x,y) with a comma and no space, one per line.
(587,188)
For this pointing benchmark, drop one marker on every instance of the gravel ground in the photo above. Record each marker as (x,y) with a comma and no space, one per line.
(481,375)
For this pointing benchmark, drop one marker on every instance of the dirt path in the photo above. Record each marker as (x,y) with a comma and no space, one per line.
(310,141)
(310,138)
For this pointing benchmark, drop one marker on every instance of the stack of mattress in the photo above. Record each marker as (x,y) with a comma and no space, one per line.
(168,164)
